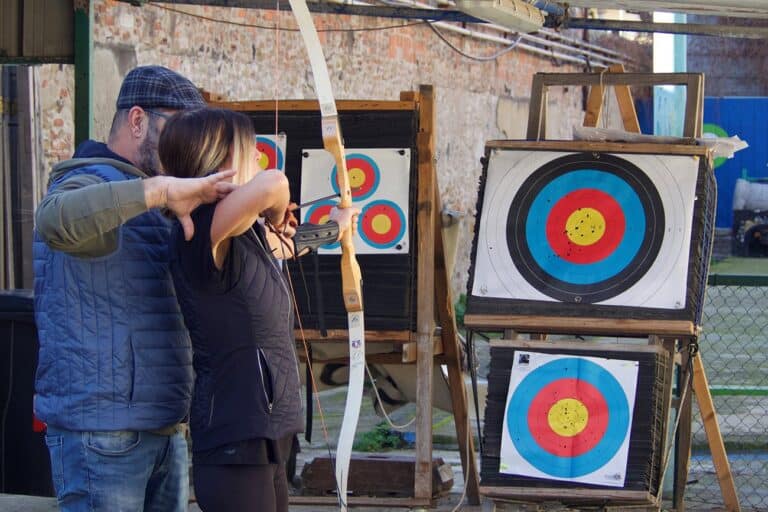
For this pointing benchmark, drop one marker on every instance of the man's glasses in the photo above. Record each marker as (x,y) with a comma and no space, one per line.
(158,113)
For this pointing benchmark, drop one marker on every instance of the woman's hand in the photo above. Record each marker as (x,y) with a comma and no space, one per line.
(346,218)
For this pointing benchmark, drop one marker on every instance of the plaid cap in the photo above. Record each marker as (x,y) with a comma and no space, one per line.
(158,87)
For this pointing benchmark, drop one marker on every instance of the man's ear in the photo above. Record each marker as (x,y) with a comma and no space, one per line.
(137,121)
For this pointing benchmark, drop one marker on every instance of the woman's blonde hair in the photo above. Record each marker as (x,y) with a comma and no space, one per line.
(196,142)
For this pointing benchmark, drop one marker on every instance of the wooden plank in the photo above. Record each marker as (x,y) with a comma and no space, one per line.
(537,110)
(447,320)
(637,79)
(360,501)
(714,437)
(49,28)
(425,284)
(10,28)
(410,350)
(626,105)
(693,106)
(340,335)
(289,105)
(582,325)
(683,434)
(569,494)
(611,147)
(594,105)
(365,476)
(576,345)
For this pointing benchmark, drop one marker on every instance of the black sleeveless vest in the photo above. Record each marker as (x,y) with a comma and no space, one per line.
(247,381)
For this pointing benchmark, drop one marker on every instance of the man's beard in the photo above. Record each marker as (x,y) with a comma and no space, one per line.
(149,160)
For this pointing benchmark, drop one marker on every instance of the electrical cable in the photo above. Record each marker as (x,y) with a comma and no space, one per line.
(491,57)
(283,29)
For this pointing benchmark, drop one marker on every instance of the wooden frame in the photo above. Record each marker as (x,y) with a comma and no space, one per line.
(436,342)
(671,336)
(694,100)
(586,494)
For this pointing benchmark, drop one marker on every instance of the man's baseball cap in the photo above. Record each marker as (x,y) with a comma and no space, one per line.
(158,87)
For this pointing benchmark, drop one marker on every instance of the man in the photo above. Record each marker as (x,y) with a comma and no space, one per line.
(114,375)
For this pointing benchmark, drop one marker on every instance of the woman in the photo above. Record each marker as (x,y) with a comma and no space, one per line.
(246,406)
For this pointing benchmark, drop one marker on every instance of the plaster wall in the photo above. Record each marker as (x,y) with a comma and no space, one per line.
(476,101)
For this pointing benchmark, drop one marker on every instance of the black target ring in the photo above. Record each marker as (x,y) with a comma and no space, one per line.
(550,272)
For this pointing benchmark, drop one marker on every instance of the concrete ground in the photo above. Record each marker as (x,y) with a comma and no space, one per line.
(445,446)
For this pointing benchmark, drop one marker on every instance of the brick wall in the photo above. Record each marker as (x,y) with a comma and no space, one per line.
(732,66)
(476,101)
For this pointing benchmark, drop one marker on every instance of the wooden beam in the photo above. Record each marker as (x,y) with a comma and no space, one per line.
(582,325)
(715,438)
(340,335)
(617,147)
(425,284)
(447,320)
(537,110)
(310,105)
(571,494)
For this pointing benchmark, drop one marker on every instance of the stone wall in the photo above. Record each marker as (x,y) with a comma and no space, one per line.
(476,101)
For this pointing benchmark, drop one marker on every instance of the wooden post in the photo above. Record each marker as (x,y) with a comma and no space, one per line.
(447,320)
(425,306)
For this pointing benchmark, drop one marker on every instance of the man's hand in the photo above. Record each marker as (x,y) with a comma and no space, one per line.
(183,195)
(346,218)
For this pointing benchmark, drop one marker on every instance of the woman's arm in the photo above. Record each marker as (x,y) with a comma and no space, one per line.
(266,194)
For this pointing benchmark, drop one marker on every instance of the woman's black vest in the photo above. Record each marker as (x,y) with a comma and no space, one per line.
(247,379)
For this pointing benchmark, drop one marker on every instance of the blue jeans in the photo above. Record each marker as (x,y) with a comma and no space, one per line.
(119,471)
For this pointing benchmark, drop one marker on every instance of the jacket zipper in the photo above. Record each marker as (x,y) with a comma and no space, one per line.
(262,360)
(287,293)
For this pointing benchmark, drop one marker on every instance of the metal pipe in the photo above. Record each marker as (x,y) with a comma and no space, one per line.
(523,46)
(549,7)
(533,38)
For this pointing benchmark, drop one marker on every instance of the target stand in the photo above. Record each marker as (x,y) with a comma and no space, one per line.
(583,238)
(409,316)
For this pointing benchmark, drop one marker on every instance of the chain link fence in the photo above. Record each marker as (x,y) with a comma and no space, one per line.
(734,350)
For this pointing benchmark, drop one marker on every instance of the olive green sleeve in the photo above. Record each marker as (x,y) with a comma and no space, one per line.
(81,216)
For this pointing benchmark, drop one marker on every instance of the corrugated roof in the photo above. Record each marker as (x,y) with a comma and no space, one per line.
(748,8)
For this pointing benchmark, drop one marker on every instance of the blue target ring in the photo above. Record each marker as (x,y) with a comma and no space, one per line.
(396,217)
(370,173)
(581,274)
(547,189)
(603,451)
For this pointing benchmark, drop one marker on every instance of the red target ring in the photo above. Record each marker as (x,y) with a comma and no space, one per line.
(585,226)
(382,224)
(364,176)
(319,214)
(587,436)
(271,156)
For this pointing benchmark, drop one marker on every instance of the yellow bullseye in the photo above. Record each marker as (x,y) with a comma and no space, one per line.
(356,177)
(325,218)
(585,226)
(568,417)
(381,224)
(263,161)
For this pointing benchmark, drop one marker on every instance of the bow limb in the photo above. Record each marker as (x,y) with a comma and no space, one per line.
(350,269)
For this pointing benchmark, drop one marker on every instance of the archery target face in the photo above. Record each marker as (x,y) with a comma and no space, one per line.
(272,149)
(569,418)
(586,228)
(380,183)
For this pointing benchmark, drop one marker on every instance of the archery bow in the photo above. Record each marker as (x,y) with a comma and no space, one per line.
(350,270)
